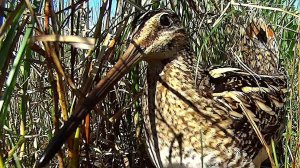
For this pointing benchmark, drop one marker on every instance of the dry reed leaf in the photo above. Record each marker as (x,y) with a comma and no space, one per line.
(75,41)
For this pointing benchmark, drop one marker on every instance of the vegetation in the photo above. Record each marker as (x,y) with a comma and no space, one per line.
(53,52)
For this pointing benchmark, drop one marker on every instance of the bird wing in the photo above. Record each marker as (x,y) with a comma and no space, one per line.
(250,98)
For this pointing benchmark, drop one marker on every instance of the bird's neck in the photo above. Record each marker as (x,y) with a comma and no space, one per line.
(181,63)
(175,76)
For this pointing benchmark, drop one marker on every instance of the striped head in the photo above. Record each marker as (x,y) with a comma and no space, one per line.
(158,34)
(259,49)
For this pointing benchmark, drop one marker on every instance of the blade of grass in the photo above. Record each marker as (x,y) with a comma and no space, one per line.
(11,33)
(25,69)
(12,20)
(11,80)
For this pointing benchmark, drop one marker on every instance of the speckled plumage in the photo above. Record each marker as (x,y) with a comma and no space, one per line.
(192,120)
(258,48)
(202,123)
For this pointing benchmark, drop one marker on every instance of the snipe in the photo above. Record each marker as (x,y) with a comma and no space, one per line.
(258,48)
(190,123)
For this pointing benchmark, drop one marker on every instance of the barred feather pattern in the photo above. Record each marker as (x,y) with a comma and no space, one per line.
(199,120)
(184,123)
(263,98)
(258,48)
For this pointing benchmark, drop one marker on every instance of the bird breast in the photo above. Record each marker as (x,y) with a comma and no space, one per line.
(184,126)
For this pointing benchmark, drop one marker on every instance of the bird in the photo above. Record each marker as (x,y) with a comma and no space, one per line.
(193,117)
(257,52)
(258,48)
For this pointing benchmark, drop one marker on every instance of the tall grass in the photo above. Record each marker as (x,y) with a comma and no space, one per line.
(43,77)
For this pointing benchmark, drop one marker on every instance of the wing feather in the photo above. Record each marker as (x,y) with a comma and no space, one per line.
(247,97)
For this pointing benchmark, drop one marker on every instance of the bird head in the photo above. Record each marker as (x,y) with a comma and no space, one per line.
(156,35)
(258,46)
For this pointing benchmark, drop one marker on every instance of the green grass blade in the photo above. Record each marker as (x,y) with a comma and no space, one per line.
(11,80)
(9,37)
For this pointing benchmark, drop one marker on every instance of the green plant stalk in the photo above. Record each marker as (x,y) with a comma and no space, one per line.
(12,152)
(11,81)
(12,77)
(24,98)
(10,36)
(75,158)
(274,153)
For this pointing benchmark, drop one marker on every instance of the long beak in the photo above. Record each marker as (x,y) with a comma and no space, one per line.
(131,56)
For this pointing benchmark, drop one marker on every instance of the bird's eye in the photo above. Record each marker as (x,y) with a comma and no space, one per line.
(165,20)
